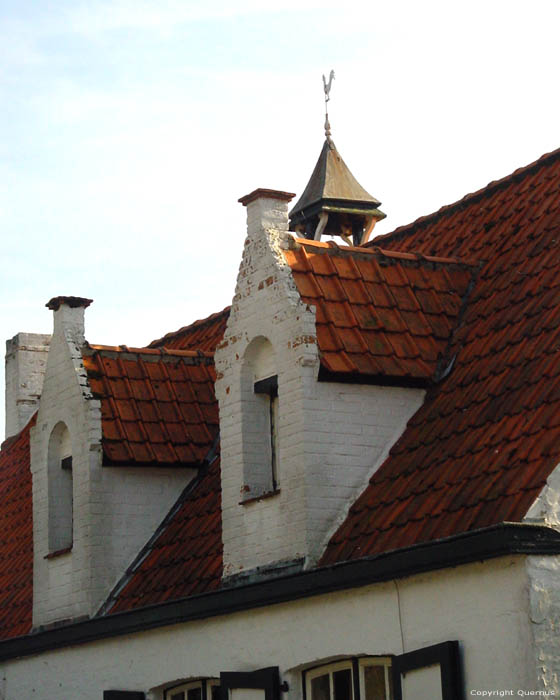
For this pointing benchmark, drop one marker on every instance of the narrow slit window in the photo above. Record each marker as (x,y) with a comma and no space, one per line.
(260,418)
(268,388)
(60,490)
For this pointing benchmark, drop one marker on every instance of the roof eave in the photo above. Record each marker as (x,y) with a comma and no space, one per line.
(504,539)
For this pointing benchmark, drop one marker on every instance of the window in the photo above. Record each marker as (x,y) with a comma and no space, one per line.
(365,678)
(60,490)
(204,689)
(268,389)
(259,421)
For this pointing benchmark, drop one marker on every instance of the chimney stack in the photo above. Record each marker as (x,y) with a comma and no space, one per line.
(26,360)
(69,317)
(266,209)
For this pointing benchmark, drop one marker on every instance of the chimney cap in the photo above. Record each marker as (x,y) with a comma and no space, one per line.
(262,192)
(73,302)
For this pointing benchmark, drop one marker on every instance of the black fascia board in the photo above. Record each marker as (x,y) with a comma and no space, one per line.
(478,545)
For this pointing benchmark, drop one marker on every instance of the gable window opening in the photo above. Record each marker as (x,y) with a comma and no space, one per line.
(60,491)
(259,422)
(358,678)
(203,689)
(268,388)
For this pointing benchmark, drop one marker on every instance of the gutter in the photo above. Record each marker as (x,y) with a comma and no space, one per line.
(478,545)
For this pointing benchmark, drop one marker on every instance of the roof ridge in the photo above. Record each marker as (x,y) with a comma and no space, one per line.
(470,198)
(195,324)
(152,352)
(328,246)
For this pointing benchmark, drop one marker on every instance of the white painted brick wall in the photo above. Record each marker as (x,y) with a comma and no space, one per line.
(26,361)
(544,591)
(350,429)
(544,615)
(116,510)
(484,605)
(331,436)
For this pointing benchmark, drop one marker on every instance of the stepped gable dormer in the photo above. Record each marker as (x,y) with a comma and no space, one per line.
(119,434)
(334,203)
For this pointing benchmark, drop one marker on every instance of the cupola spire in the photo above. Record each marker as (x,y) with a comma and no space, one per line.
(334,203)
(327,89)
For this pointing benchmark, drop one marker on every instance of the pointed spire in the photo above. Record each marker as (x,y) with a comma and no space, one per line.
(334,196)
(334,203)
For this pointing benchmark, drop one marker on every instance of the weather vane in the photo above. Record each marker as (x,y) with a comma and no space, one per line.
(327,89)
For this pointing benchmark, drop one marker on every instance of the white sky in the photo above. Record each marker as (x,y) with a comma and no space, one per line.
(129,129)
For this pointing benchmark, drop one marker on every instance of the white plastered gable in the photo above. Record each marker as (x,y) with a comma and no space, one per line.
(61,580)
(115,510)
(269,330)
(331,437)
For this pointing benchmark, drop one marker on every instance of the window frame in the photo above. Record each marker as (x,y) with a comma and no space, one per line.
(60,492)
(269,387)
(203,683)
(387,663)
(356,665)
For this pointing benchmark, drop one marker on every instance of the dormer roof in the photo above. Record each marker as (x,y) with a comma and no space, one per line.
(204,334)
(158,406)
(381,316)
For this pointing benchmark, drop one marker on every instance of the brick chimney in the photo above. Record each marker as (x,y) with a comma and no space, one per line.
(266,209)
(69,317)
(26,360)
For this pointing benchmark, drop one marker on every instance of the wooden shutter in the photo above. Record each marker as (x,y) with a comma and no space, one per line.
(424,672)
(266,680)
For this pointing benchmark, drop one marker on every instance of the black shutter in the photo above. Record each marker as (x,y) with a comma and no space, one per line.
(123,695)
(446,655)
(267,679)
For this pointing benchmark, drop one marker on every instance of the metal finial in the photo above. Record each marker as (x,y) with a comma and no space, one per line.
(327,89)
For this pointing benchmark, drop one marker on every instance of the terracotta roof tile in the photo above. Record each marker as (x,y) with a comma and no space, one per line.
(157,406)
(16,536)
(185,555)
(483,444)
(200,335)
(378,312)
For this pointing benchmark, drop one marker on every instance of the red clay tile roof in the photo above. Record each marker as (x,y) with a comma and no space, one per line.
(16,536)
(480,449)
(157,406)
(185,555)
(200,335)
(380,313)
